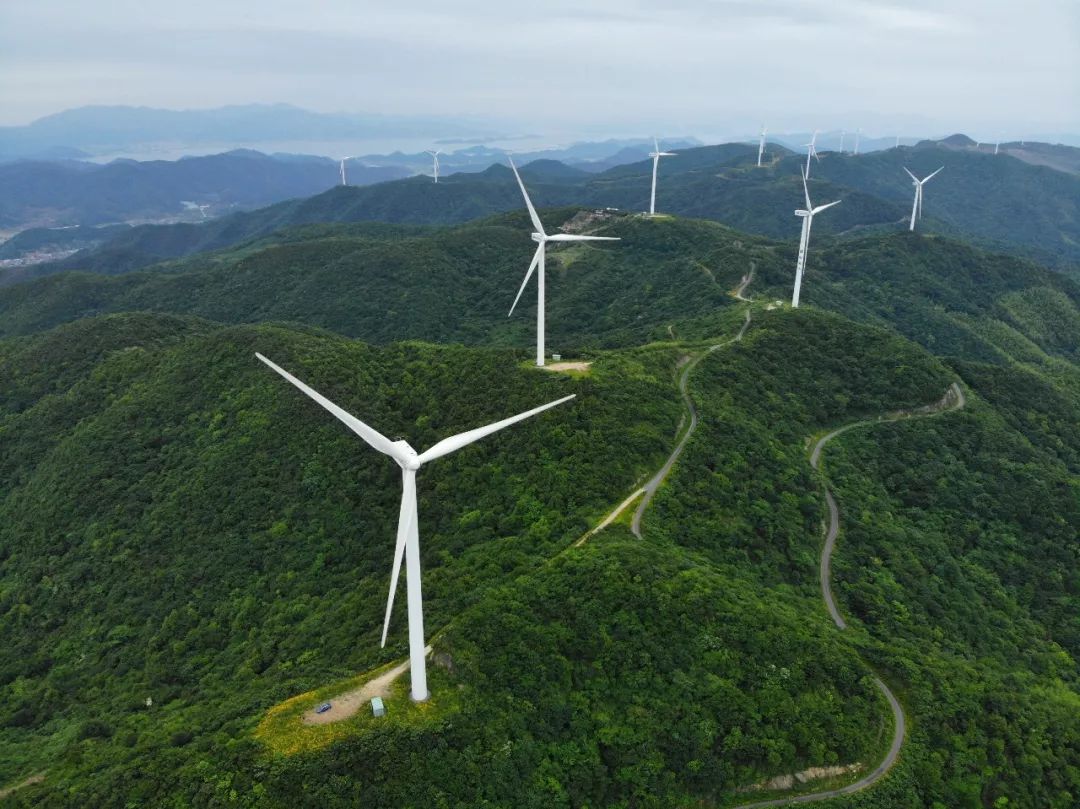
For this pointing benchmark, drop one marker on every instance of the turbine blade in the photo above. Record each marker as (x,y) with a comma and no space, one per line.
(456,442)
(372,436)
(528,202)
(571,237)
(912,176)
(931,175)
(532,266)
(406,515)
(821,208)
(806,191)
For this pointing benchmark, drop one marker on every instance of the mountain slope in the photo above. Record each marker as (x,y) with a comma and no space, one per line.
(67,193)
(996,201)
(452,285)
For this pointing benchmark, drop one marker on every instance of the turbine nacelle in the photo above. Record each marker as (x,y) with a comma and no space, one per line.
(408,458)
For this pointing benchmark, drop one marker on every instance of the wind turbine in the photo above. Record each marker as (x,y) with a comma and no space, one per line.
(811,150)
(343,169)
(435,160)
(408,534)
(656,155)
(842,133)
(858,133)
(916,206)
(997,145)
(897,146)
(760,148)
(804,240)
(542,238)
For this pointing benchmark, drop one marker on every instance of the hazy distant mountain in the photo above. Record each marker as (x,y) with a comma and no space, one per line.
(104,129)
(991,200)
(37,193)
(1057,156)
(586,155)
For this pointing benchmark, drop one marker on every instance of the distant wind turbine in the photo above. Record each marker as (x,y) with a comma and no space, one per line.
(760,147)
(435,161)
(897,142)
(343,169)
(997,145)
(858,134)
(408,533)
(811,151)
(842,133)
(807,215)
(916,206)
(656,154)
(542,238)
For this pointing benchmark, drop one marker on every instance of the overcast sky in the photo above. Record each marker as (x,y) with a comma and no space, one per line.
(695,66)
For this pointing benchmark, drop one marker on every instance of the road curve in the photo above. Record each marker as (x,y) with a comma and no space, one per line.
(651,487)
(952,400)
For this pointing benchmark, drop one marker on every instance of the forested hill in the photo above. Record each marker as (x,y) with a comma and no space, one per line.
(997,201)
(666,278)
(176,523)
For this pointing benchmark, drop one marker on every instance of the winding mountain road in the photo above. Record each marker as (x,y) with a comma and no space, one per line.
(952,400)
(651,487)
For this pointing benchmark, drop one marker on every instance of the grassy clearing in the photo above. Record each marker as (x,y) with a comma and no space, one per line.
(283,731)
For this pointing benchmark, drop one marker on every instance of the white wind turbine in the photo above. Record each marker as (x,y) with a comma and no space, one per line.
(656,154)
(542,238)
(858,134)
(916,206)
(408,534)
(760,148)
(842,133)
(343,169)
(435,161)
(811,151)
(804,240)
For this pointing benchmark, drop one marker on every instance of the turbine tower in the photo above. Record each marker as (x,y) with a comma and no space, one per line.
(343,169)
(842,133)
(435,162)
(916,206)
(656,154)
(542,238)
(807,215)
(408,534)
(811,151)
(760,148)
(858,134)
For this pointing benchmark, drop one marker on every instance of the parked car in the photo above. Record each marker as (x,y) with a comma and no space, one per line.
(323,708)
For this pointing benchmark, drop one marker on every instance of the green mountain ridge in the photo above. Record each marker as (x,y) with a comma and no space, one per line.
(178,523)
(998,201)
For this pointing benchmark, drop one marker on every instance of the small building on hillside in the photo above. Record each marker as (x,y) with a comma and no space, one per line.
(377,707)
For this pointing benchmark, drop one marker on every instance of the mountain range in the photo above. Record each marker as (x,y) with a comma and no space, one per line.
(995,201)
(36,194)
(105,129)
(193,555)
